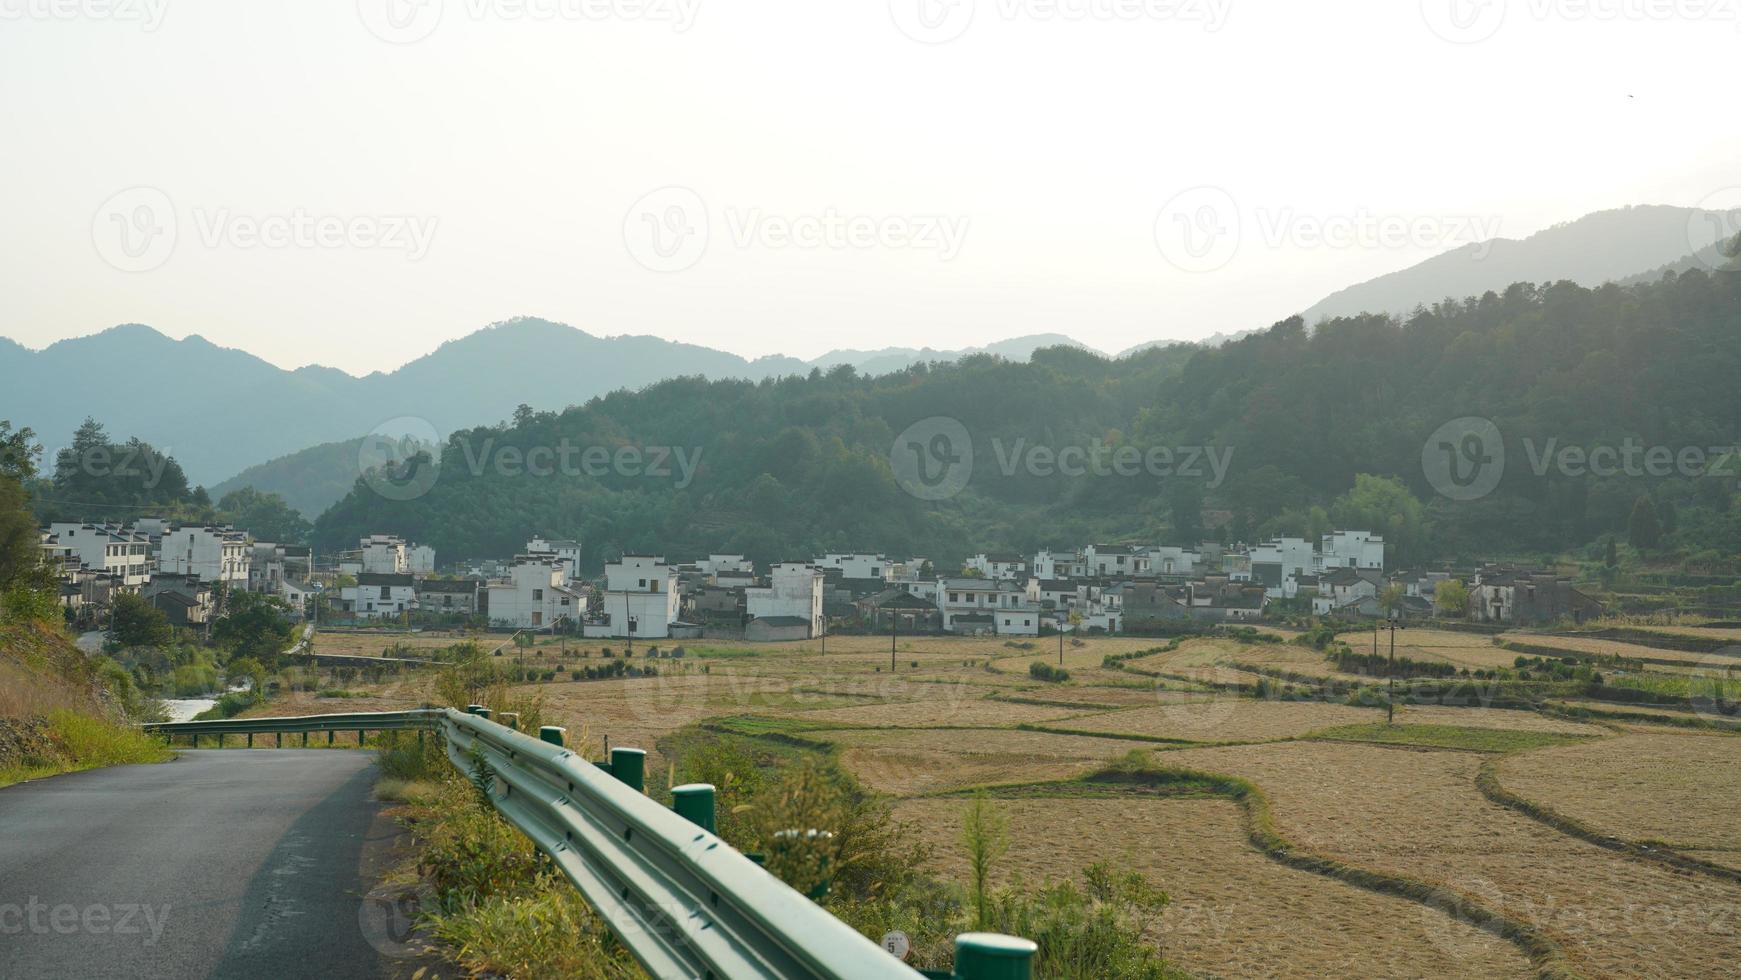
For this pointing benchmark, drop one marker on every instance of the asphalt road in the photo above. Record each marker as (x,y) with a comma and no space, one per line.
(220,864)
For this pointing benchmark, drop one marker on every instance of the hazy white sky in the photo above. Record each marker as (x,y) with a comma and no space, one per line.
(352,182)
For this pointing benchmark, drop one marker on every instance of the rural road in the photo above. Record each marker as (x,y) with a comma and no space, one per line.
(219,864)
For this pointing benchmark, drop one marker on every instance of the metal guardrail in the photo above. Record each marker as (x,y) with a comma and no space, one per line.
(684,902)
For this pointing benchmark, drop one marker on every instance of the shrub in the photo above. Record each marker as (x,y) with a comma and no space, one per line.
(1041,671)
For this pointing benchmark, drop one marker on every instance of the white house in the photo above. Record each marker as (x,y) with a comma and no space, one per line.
(384,554)
(534,595)
(640,599)
(566,549)
(1059,565)
(735,565)
(856,565)
(378,596)
(999,566)
(794,591)
(1173,562)
(1114,561)
(1352,549)
(422,560)
(106,548)
(214,554)
(1278,565)
(1346,590)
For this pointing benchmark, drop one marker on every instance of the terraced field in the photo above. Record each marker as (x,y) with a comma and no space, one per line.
(1357,820)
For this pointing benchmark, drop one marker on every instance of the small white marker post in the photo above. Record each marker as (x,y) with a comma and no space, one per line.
(897,944)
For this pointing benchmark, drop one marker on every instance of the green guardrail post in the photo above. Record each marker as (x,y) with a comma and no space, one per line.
(330,735)
(694,803)
(483,713)
(250,739)
(630,768)
(280,739)
(472,709)
(554,734)
(305,739)
(993,956)
(360,734)
(511,719)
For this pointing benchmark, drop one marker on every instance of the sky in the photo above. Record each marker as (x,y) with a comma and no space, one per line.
(354,182)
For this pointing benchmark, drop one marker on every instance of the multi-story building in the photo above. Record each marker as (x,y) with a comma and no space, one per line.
(854,565)
(794,592)
(378,595)
(566,549)
(215,554)
(999,566)
(640,599)
(456,596)
(1115,561)
(534,595)
(384,554)
(108,549)
(1059,565)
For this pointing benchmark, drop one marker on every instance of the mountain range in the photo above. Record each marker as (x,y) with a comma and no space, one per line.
(229,416)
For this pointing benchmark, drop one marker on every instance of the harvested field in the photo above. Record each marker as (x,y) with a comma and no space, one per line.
(1663,787)
(914,761)
(1229,901)
(1209,719)
(1419,815)
(1520,721)
(972,712)
(1603,648)
(1474,651)
(376,643)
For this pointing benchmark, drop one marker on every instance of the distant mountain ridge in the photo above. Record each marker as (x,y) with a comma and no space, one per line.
(1622,245)
(219,410)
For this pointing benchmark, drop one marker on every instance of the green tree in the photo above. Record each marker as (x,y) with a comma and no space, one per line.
(1611,554)
(264,515)
(1452,598)
(1390,599)
(1385,506)
(1643,531)
(985,834)
(138,624)
(254,625)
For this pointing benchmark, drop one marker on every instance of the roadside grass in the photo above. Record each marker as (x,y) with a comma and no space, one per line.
(1445,737)
(76,742)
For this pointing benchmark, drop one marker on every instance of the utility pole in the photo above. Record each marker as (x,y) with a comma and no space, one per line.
(894,629)
(1390,699)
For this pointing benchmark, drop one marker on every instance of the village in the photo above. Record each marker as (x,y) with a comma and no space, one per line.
(1110,589)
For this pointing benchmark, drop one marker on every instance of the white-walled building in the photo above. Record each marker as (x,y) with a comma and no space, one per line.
(378,596)
(857,565)
(383,554)
(104,548)
(641,599)
(1172,562)
(734,565)
(1279,564)
(214,554)
(794,591)
(1059,565)
(535,594)
(1352,549)
(1114,561)
(997,566)
(422,560)
(566,549)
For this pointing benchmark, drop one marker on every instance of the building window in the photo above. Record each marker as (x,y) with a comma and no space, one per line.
(537,595)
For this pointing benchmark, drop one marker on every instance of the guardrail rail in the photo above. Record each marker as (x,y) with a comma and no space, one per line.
(682,900)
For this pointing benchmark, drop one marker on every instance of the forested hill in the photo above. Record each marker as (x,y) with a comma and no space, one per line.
(796,466)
